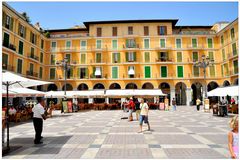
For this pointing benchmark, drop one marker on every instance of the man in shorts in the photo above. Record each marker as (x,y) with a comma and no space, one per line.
(143,115)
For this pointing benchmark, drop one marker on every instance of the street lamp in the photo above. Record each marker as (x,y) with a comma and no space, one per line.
(204,64)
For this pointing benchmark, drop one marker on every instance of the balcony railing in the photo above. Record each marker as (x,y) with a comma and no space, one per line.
(94,48)
(10,46)
(163,48)
(7,67)
(69,35)
(194,32)
(197,47)
(164,59)
(33,74)
(131,47)
(32,56)
(66,49)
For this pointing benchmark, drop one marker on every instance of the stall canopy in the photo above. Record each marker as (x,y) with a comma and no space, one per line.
(224,91)
(22,92)
(134,92)
(75,94)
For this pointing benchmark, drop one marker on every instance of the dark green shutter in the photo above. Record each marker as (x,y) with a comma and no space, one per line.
(134,56)
(196,71)
(68,57)
(4,60)
(19,69)
(195,56)
(210,43)
(86,71)
(113,59)
(114,72)
(147,57)
(94,69)
(20,49)
(194,43)
(223,55)
(126,54)
(71,72)
(11,23)
(222,70)
(6,40)
(127,45)
(210,54)
(234,49)
(163,71)
(4,19)
(179,56)
(147,72)
(78,73)
(52,73)
(98,58)
(40,72)
(180,71)
(235,65)
(118,57)
(212,71)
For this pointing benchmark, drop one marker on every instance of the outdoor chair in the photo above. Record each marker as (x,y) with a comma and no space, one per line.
(18,117)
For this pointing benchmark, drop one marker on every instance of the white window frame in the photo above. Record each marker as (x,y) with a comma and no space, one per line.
(212,42)
(117,70)
(112,56)
(112,43)
(83,47)
(144,43)
(161,71)
(145,73)
(176,43)
(164,42)
(53,49)
(129,56)
(196,40)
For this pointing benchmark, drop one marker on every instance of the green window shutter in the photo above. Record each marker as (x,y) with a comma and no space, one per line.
(126,55)
(114,44)
(98,57)
(127,43)
(235,66)
(234,49)
(40,72)
(212,71)
(6,40)
(78,72)
(195,56)
(227,70)
(41,57)
(20,48)
(196,71)
(222,70)
(222,40)
(83,58)
(180,71)
(194,43)
(19,69)
(52,59)
(232,33)
(179,56)
(31,67)
(4,18)
(134,56)
(71,72)
(11,24)
(179,45)
(86,71)
(163,71)
(113,57)
(223,55)
(99,44)
(52,73)
(147,72)
(147,57)
(159,55)
(68,57)
(114,72)
(146,43)
(210,54)
(162,43)
(68,44)
(94,69)
(119,57)
(4,60)
(210,45)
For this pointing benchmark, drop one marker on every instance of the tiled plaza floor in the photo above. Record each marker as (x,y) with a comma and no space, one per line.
(184,133)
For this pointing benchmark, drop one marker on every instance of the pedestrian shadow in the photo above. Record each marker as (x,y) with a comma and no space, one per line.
(19,145)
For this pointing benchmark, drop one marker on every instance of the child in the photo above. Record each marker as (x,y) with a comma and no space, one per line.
(233,138)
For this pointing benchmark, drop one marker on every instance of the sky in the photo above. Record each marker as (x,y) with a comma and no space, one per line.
(60,15)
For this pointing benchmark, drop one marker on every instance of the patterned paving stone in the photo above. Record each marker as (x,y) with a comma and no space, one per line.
(124,139)
(202,129)
(166,129)
(88,129)
(219,139)
(176,139)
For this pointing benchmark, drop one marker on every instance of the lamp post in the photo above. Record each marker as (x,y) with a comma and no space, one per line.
(204,63)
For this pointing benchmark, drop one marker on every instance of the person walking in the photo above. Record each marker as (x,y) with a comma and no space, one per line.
(137,107)
(224,102)
(233,138)
(198,102)
(131,107)
(174,104)
(38,116)
(143,115)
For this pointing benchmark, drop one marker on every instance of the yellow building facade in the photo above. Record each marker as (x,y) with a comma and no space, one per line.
(126,54)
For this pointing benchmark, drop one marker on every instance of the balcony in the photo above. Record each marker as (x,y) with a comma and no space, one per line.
(7,67)
(164,59)
(70,35)
(163,48)
(131,47)
(194,32)
(98,62)
(198,47)
(34,57)
(231,56)
(94,48)
(10,46)
(92,76)
(74,62)
(66,49)
(32,74)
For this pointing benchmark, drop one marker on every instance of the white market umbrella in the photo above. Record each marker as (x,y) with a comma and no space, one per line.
(224,91)
(22,92)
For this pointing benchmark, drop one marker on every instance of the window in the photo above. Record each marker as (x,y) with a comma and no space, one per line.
(42,43)
(226,69)
(6,40)
(52,73)
(41,57)
(232,34)
(196,71)
(7,21)
(70,73)
(212,71)
(210,42)
(130,30)
(20,48)
(146,31)
(163,56)
(21,31)
(114,44)
(98,57)
(163,71)
(162,43)
(179,56)
(146,43)
(222,40)
(83,45)
(83,58)
(53,59)
(235,66)
(40,72)
(4,61)
(99,44)
(99,32)
(114,31)
(179,43)
(194,43)
(147,56)
(195,56)
(114,72)
(223,55)
(31,69)
(33,38)
(68,57)
(147,72)
(210,55)
(131,71)
(19,66)
(68,44)
(180,71)
(234,49)
(131,56)
(115,57)
(162,30)
(32,53)
(82,73)
(54,46)
(130,43)
(222,70)
(97,72)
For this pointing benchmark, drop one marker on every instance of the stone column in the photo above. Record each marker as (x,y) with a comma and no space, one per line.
(90,100)
(107,100)
(189,96)
(172,95)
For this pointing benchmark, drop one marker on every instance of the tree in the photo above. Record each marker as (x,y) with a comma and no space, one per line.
(24,14)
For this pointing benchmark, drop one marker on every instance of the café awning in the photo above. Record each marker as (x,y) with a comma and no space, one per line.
(134,92)
(75,94)
(22,92)
(224,91)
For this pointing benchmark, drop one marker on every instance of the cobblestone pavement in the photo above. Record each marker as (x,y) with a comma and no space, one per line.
(184,133)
